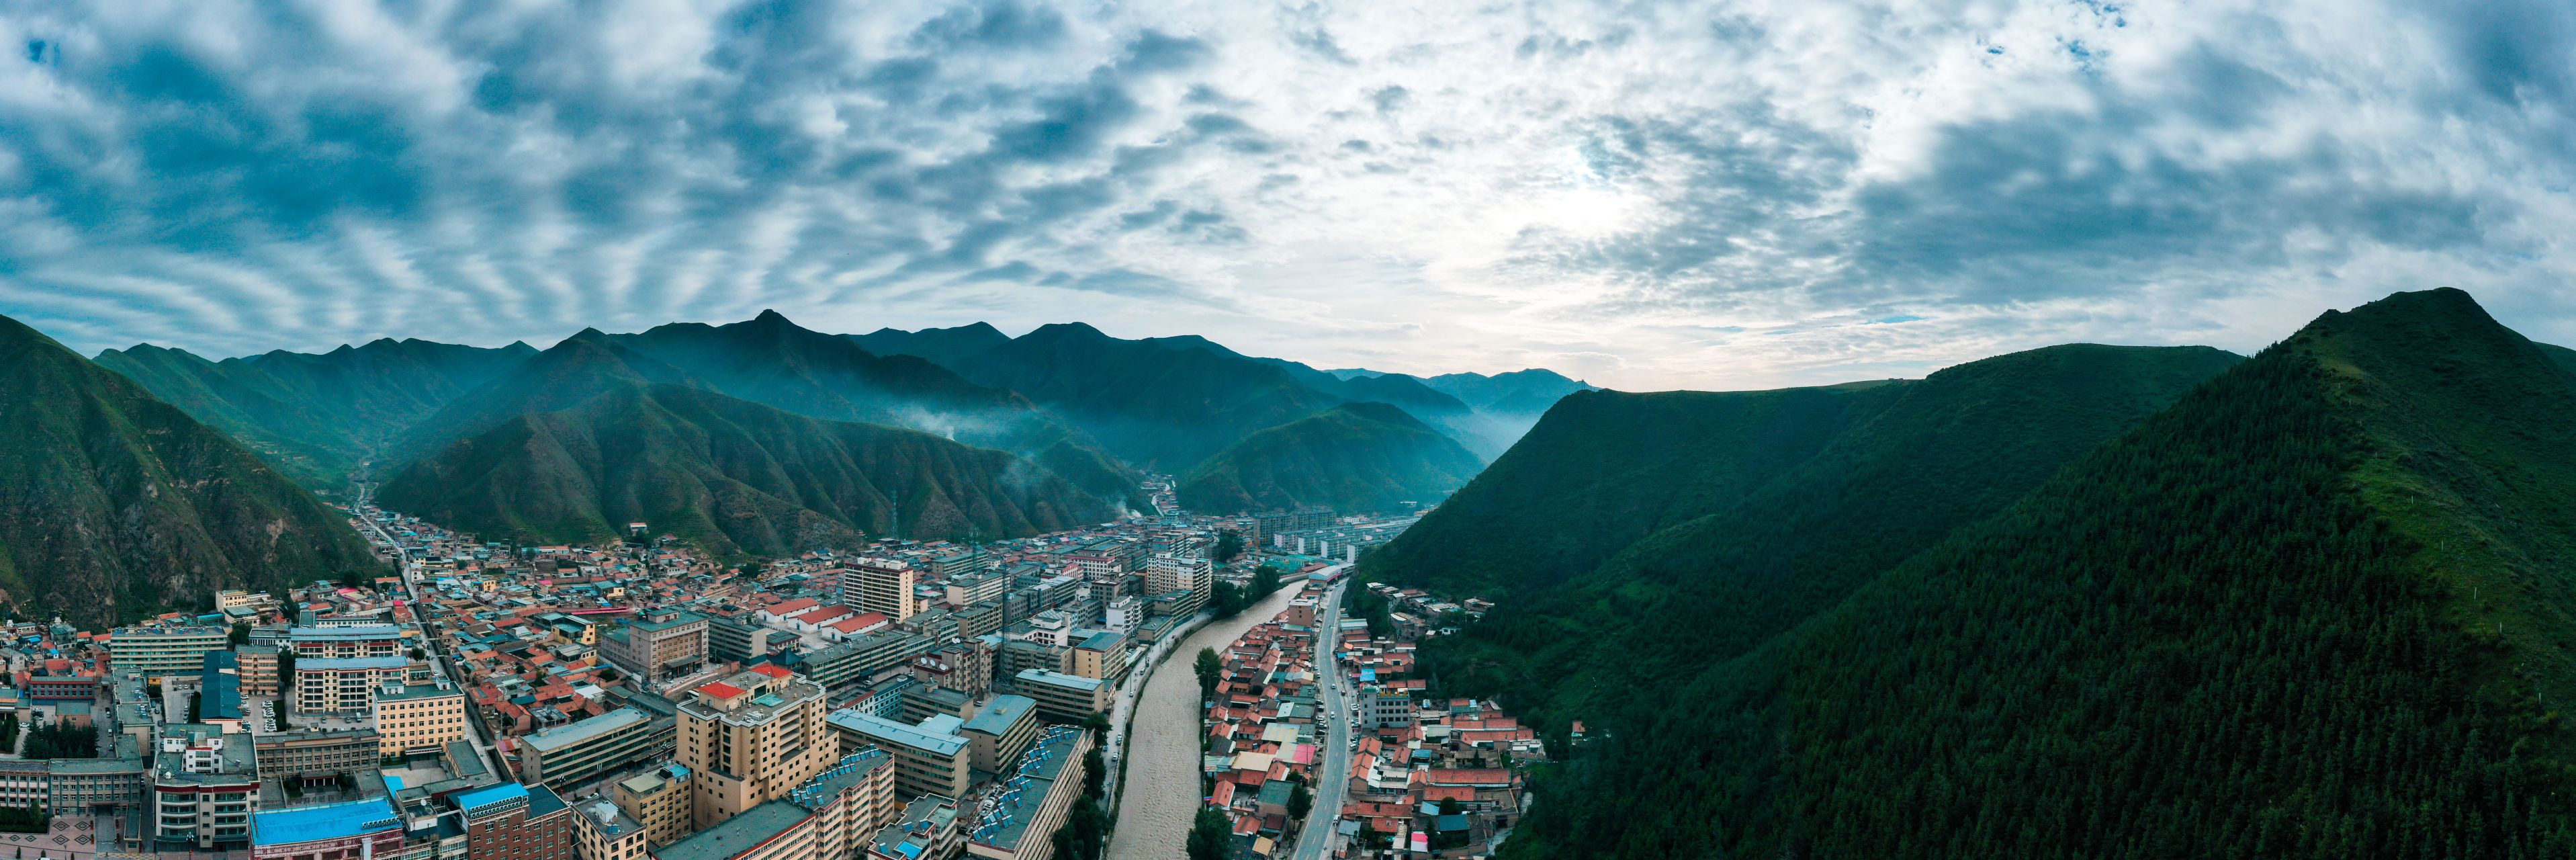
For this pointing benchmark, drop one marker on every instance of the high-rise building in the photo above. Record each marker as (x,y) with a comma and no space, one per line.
(420,717)
(511,821)
(881,585)
(659,801)
(1166,573)
(749,738)
(568,754)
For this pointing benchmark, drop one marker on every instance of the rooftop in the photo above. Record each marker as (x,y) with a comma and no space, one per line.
(736,835)
(933,735)
(559,737)
(329,821)
(1060,679)
(1000,714)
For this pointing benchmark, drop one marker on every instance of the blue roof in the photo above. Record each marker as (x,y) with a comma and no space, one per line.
(331,821)
(467,801)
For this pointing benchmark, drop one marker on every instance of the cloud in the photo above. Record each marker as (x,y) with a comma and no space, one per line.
(1651,195)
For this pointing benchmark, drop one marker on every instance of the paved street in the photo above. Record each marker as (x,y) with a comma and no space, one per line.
(1333,774)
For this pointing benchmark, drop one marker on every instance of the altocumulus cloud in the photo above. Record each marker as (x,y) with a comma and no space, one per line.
(1647,194)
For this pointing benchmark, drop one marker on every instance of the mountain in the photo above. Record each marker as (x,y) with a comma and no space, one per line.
(1520,392)
(1352,457)
(574,371)
(735,477)
(2315,607)
(316,416)
(772,361)
(115,505)
(942,346)
(1157,405)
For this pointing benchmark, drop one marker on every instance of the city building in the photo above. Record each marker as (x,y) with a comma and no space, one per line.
(880,585)
(836,814)
(659,801)
(344,685)
(1000,731)
(603,832)
(928,830)
(345,641)
(1020,820)
(846,666)
(749,738)
(159,651)
(354,829)
(1062,698)
(203,787)
(573,753)
(657,640)
(929,757)
(1102,656)
(511,821)
(316,757)
(258,669)
(420,717)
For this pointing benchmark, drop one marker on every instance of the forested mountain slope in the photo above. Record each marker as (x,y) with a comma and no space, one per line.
(1352,457)
(316,416)
(114,505)
(943,346)
(2314,608)
(736,477)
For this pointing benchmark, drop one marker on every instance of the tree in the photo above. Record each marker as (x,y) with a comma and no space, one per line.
(1098,723)
(1300,802)
(1211,836)
(1095,772)
(1228,545)
(1210,669)
(241,634)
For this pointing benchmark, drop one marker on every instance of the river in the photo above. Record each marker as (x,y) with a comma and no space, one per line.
(1163,755)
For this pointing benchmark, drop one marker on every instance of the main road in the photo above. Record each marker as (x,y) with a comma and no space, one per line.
(477,733)
(1162,793)
(1333,776)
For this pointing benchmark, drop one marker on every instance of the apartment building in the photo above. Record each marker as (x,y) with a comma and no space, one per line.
(881,585)
(344,685)
(258,669)
(1062,698)
(160,651)
(1032,800)
(420,717)
(601,831)
(345,641)
(316,757)
(1102,656)
(930,757)
(749,738)
(835,814)
(511,821)
(659,801)
(656,640)
(573,753)
(999,731)
(203,785)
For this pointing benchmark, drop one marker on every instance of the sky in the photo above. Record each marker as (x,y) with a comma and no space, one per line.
(1645,195)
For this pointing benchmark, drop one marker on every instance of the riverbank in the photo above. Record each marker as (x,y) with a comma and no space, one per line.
(1154,812)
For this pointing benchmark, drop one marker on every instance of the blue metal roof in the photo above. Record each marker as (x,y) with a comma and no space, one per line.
(331,821)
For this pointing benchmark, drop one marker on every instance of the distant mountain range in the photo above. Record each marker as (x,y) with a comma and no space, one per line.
(115,505)
(2080,601)
(1074,411)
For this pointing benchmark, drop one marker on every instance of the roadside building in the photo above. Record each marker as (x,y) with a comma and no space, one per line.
(352,829)
(749,738)
(1061,697)
(1000,731)
(930,757)
(159,651)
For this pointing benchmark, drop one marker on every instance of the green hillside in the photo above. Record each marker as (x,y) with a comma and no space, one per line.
(735,477)
(1607,468)
(1154,405)
(1954,448)
(115,505)
(1352,457)
(772,361)
(316,416)
(2314,608)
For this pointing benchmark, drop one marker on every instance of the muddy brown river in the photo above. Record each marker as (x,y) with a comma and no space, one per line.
(1163,754)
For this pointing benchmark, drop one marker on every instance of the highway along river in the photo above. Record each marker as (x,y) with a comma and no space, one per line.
(1163,754)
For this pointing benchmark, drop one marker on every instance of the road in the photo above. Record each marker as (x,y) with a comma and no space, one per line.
(1333,775)
(1154,816)
(476,732)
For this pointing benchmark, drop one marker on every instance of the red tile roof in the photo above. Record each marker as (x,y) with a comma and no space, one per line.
(720,689)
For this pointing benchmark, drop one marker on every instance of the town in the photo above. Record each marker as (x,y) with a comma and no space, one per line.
(908,700)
